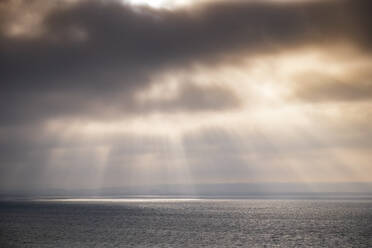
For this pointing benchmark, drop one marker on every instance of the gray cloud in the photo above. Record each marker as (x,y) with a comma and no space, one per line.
(191,97)
(93,53)
(321,87)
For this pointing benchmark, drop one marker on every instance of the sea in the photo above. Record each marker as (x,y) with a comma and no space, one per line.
(186,222)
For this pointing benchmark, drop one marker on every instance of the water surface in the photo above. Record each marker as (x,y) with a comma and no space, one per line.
(186,223)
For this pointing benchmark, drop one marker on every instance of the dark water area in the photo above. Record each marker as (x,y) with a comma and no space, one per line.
(187,223)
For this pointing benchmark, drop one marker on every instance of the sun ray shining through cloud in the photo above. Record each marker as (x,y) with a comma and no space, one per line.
(185,123)
(151,92)
(160,3)
(264,85)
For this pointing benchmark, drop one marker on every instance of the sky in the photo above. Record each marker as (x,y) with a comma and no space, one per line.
(110,93)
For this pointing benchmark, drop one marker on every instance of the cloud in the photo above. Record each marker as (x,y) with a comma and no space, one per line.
(86,55)
(318,87)
(190,97)
(81,62)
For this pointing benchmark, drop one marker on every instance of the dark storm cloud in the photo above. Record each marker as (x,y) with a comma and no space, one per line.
(93,56)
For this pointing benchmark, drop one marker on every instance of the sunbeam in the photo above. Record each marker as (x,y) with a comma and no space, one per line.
(185,123)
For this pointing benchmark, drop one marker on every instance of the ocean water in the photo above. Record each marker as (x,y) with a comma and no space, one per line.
(186,223)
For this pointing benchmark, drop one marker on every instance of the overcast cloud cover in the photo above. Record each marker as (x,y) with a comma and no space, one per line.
(105,93)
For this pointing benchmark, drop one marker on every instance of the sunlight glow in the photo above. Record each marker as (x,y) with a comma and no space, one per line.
(263,85)
(268,111)
(169,4)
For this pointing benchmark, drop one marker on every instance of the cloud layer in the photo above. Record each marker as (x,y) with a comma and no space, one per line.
(103,51)
(71,67)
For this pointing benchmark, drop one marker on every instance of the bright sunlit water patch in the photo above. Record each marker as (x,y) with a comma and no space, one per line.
(120,200)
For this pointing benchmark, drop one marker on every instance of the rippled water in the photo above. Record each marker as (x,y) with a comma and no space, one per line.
(186,223)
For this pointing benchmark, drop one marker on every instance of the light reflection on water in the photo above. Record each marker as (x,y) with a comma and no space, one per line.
(186,222)
(123,200)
